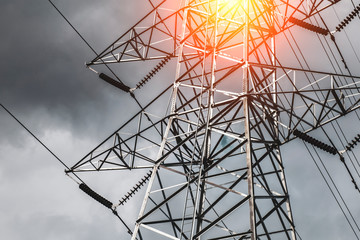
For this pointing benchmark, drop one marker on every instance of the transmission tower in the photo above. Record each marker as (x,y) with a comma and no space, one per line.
(215,165)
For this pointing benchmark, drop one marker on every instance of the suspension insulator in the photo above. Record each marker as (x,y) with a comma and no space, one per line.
(353,143)
(113,82)
(136,188)
(348,19)
(323,146)
(153,72)
(95,195)
(308,26)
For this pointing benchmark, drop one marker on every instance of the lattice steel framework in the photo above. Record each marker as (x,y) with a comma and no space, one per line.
(215,160)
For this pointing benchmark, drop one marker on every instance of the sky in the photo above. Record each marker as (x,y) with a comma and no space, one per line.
(45,84)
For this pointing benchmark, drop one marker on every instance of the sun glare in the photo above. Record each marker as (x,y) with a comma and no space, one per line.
(231,4)
(230,1)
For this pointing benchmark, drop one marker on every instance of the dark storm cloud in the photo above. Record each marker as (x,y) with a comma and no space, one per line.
(44,82)
(43,77)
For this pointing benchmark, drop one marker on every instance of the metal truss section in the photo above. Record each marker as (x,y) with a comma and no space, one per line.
(214,154)
(158,33)
(298,105)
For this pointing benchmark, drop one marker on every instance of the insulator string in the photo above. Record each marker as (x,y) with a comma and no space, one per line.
(135,189)
(323,146)
(85,188)
(348,19)
(353,143)
(308,26)
(153,72)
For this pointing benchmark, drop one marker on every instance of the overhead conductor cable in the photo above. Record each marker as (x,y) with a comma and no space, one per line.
(82,185)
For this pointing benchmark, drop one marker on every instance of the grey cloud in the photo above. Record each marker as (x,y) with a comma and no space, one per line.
(43,77)
(44,82)
(54,227)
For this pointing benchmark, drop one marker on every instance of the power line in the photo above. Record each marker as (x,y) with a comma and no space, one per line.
(37,139)
(332,192)
(280,87)
(81,36)
(327,183)
(59,160)
(131,93)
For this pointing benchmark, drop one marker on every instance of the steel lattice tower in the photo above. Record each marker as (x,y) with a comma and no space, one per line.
(214,155)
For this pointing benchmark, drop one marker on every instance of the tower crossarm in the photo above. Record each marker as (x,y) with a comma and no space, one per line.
(152,37)
(307,99)
(157,34)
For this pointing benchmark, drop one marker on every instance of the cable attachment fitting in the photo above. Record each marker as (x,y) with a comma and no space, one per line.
(153,72)
(342,159)
(315,142)
(95,195)
(135,189)
(308,26)
(348,19)
(352,144)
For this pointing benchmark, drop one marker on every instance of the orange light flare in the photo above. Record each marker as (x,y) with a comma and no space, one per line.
(227,23)
(232,15)
(235,10)
(232,9)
